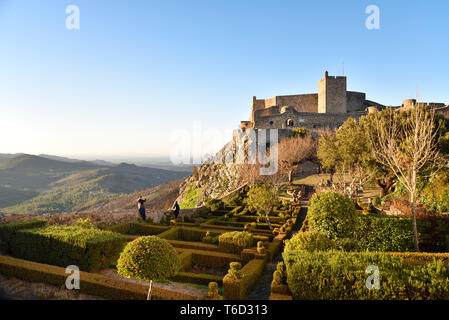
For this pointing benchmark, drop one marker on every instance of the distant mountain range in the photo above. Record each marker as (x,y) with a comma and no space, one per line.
(44,183)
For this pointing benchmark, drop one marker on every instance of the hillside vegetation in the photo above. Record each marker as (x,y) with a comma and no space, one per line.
(33,184)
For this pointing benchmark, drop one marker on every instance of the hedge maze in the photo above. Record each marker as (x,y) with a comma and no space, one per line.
(210,246)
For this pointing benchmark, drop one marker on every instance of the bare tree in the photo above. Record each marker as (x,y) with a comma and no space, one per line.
(406,143)
(294,151)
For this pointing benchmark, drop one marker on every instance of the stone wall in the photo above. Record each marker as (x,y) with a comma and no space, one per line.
(322,94)
(304,119)
(301,102)
(332,94)
(355,101)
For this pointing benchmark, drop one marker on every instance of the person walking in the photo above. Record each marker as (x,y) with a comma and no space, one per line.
(176,209)
(141,207)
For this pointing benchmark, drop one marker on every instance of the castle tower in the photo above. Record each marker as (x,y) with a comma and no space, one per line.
(332,94)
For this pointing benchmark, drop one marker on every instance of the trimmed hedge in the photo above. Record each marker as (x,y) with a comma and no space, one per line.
(7,231)
(142,229)
(237,288)
(273,219)
(187,234)
(341,275)
(384,233)
(185,260)
(275,247)
(213,259)
(93,284)
(89,249)
(197,278)
(309,241)
(235,241)
(194,245)
(170,234)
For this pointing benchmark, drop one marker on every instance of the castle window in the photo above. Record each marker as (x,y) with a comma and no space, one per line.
(271,123)
(290,123)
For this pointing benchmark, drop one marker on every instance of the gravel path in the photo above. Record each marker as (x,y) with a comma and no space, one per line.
(169,286)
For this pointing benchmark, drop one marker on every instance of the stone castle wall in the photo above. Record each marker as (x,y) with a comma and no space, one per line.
(355,101)
(332,94)
(304,119)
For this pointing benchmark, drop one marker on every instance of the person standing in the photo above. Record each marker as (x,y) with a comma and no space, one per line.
(176,209)
(141,207)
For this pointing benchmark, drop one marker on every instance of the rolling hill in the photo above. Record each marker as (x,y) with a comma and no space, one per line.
(35,184)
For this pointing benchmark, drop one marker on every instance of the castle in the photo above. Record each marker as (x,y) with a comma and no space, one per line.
(328,108)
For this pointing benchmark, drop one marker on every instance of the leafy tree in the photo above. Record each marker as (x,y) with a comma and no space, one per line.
(262,198)
(347,151)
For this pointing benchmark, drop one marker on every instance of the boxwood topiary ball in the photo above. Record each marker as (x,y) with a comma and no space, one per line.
(148,258)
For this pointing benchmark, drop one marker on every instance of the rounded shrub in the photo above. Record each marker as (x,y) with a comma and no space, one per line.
(213,294)
(280,275)
(148,258)
(333,214)
(234,271)
(309,241)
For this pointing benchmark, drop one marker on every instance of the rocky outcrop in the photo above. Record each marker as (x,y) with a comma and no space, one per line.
(213,178)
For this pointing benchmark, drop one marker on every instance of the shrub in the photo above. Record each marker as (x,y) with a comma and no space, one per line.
(341,275)
(88,248)
(261,247)
(280,275)
(7,231)
(436,193)
(236,286)
(235,241)
(310,241)
(214,204)
(235,200)
(384,233)
(377,201)
(333,214)
(234,271)
(148,258)
(212,294)
(86,224)
(208,238)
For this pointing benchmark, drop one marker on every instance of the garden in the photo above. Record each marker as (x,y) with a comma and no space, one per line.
(216,253)
(328,258)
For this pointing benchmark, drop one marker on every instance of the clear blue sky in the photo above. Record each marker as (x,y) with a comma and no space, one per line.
(136,70)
